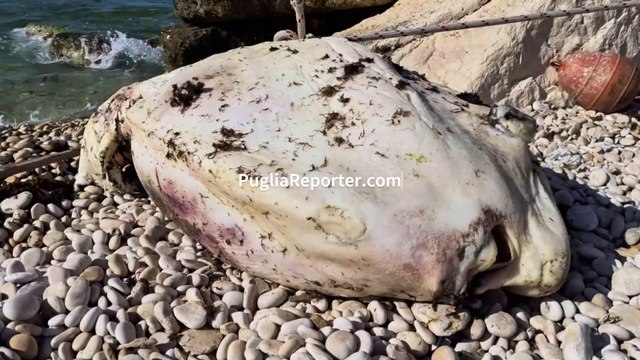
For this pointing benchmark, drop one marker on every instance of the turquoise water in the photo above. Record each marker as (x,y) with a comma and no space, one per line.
(36,86)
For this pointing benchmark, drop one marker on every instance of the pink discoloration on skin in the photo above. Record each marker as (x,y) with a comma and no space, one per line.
(190,213)
(179,203)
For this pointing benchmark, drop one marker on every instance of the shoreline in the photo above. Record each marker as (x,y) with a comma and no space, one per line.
(104,277)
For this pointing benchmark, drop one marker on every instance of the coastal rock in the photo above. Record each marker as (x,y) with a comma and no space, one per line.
(507,63)
(184,45)
(43,31)
(212,11)
(334,79)
(78,47)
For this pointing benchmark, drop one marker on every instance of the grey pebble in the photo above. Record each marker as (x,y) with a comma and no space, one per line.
(317,352)
(626,280)
(501,324)
(551,310)
(17,202)
(191,314)
(341,344)
(632,236)
(164,315)
(75,316)
(88,321)
(125,332)
(21,277)
(273,298)
(78,294)
(576,344)
(21,307)
(582,218)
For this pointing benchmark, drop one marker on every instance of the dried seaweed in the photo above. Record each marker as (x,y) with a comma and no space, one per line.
(331,120)
(351,70)
(329,90)
(185,95)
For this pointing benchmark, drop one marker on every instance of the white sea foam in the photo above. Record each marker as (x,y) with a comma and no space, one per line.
(33,48)
(7,119)
(35,117)
(125,51)
(124,48)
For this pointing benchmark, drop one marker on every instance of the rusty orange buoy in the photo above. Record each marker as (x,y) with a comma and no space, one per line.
(604,82)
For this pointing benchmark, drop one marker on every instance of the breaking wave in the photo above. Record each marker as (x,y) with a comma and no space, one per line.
(35,117)
(122,51)
(32,48)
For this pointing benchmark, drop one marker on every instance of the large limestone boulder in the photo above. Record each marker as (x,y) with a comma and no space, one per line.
(473,211)
(213,11)
(508,63)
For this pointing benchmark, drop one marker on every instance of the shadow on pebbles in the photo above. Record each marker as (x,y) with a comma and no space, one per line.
(86,276)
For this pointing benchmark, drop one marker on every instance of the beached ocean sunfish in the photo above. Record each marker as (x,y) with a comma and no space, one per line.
(471,212)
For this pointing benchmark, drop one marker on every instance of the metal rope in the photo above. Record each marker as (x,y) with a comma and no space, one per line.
(432,29)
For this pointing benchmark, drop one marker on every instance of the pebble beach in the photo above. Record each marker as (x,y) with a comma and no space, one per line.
(85,275)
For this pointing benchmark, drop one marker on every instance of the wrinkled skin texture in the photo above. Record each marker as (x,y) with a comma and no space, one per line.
(472,204)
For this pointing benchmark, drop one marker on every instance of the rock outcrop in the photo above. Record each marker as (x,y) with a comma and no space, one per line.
(508,63)
(78,49)
(186,44)
(214,11)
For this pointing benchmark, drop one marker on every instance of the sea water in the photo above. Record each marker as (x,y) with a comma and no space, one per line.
(36,86)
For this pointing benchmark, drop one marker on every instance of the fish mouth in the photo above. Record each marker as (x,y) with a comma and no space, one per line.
(530,257)
(497,252)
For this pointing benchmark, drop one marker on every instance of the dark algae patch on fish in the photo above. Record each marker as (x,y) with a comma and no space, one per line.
(185,95)
(339,141)
(228,133)
(176,150)
(225,146)
(329,90)
(351,70)
(332,120)
(232,141)
(399,114)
